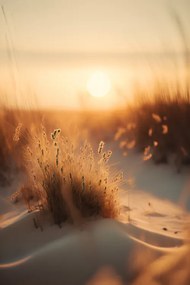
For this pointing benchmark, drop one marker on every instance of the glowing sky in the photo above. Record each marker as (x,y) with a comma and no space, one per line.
(93,25)
(52,47)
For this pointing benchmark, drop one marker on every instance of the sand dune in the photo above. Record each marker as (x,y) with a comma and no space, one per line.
(154,227)
(73,256)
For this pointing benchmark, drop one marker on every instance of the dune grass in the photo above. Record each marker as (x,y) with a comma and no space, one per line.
(69,180)
(15,126)
(8,123)
(158,125)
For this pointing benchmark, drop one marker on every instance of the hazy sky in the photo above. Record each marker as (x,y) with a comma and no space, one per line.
(92,25)
(51,48)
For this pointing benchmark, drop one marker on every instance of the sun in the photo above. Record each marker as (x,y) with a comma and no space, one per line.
(99,84)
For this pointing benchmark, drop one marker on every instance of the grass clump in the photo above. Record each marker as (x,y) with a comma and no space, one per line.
(71,181)
(157,124)
(8,122)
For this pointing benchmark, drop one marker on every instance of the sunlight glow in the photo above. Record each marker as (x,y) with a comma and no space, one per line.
(98,84)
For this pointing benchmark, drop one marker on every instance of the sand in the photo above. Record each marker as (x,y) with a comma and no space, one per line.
(152,222)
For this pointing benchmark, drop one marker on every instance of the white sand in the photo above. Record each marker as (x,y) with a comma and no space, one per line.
(155,223)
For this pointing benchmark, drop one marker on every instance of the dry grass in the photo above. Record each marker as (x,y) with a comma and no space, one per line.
(69,180)
(158,124)
(8,122)
(170,269)
(14,135)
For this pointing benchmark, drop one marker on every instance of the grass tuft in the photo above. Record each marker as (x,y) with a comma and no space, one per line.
(157,124)
(69,180)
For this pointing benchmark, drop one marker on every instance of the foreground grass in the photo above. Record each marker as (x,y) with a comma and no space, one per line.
(69,180)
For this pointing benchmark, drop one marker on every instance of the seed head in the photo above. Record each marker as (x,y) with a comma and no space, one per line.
(101,146)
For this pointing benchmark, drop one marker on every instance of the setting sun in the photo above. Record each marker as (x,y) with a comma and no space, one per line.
(99,84)
(94,142)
